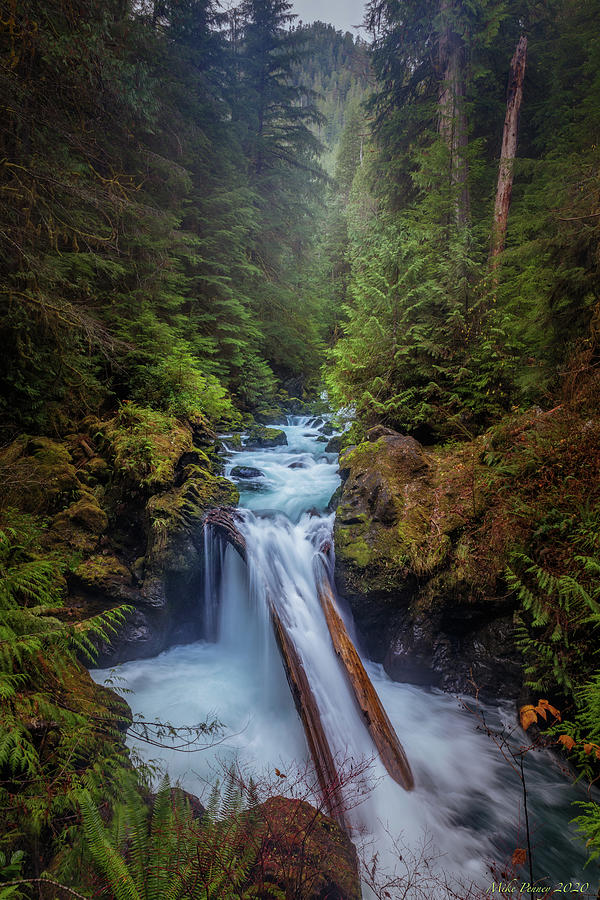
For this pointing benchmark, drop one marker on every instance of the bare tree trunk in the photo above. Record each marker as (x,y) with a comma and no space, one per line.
(452,113)
(509,150)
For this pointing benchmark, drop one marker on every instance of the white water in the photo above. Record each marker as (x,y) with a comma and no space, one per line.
(467,799)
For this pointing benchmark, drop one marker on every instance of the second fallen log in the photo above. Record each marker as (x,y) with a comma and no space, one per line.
(375,717)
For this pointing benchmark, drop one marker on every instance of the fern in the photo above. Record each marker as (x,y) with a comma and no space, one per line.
(557,610)
(57,734)
(165,855)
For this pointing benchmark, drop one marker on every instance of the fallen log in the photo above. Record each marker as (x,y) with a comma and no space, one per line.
(378,724)
(308,711)
(224,522)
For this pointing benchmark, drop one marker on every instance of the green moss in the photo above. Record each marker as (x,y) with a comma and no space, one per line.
(234,441)
(362,456)
(80,526)
(37,476)
(185,506)
(261,436)
(98,571)
(146,446)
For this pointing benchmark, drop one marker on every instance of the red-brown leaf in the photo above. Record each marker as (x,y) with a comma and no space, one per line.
(519,857)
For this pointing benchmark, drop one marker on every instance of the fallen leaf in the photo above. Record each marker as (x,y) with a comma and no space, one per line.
(588,749)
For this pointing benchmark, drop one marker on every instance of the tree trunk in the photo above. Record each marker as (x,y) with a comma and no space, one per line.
(375,717)
(509,150)
(308,710)
(452,113)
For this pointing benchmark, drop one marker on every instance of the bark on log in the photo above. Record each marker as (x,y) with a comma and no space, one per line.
(378,724)
(224,521)
(509,150)
(308,711)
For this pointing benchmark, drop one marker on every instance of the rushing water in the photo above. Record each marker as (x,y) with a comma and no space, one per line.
(468,801)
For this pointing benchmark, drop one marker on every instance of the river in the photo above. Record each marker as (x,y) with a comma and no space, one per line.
(467,803)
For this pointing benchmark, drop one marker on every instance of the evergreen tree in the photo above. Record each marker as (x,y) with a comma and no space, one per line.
(274,115)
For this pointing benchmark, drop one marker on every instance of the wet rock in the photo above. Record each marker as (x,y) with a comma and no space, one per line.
(335,444)
(297,465)
(334,500)
(328,865)
(468,653)
(426,606)
(322,439)
(260,437)
(327,429)
(246,472)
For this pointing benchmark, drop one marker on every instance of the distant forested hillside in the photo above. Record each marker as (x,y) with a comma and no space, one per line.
(337,68)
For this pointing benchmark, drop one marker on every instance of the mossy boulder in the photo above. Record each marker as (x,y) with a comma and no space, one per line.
(95,471)
(79,526)
(381,529)
(406,560)
(232,442)
(328,865)
(145,447)
(260,437)
(106,574)
(37,476)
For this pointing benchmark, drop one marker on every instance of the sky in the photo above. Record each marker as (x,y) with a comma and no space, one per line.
(344,14)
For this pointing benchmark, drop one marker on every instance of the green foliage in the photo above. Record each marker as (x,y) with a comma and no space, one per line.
(160,199)
(11,870)
(165,852)
(419,218)
(56,735)
(558,613)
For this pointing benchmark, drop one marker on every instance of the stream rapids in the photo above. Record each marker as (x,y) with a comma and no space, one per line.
(467,804)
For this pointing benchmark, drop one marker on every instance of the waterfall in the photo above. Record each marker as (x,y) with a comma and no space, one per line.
(467,801)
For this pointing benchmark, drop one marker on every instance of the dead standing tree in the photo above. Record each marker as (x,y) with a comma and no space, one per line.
(509,151)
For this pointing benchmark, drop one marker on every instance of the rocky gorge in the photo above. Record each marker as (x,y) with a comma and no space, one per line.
(124,500)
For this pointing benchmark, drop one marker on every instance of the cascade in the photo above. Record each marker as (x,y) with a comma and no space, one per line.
(466,805)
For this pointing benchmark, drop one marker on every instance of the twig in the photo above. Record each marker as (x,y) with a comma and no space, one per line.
(41,881)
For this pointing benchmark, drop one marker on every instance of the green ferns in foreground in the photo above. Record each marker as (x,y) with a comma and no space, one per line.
(169,854)
(57,730)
